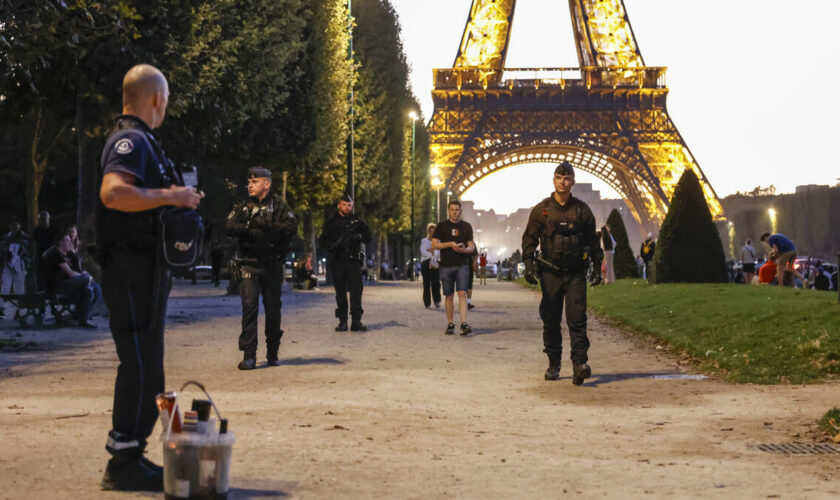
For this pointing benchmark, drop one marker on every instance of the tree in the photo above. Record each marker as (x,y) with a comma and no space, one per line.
(317,176)
(624,262)
(689,249)
(54,56)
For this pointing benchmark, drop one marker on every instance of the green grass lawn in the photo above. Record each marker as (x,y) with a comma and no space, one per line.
(758,334)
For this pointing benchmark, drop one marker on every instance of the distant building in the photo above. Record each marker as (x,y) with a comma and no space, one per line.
(811,187)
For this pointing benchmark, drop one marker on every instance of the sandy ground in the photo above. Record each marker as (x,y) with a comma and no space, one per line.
(403,411)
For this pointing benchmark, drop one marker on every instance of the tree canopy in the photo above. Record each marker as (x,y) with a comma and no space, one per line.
(252,82)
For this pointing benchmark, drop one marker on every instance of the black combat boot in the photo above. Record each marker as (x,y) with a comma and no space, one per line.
(249,362)
(342,326)
(553,371)
(271,356)
(580,372)
(132,472)
(358,326)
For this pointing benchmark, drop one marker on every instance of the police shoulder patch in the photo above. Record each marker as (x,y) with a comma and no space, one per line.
(124,146)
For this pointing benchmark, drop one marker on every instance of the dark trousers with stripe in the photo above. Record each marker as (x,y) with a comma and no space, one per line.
(136,290)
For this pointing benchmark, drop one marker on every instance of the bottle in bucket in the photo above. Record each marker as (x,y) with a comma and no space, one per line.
(167,403)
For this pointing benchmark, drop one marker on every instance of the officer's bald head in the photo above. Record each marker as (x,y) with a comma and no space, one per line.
(145,94)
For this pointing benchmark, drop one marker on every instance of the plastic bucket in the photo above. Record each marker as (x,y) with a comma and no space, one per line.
(196,466)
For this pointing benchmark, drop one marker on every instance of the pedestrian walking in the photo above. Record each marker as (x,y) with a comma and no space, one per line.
(430,268)
(482,268)
(263,225)
(564,228)
(748,261)
(137,180)
(344,237)
(454,238)
(609,254)
(647,252)
(473,272)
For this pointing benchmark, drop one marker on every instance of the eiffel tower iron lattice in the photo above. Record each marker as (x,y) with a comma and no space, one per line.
(607,117)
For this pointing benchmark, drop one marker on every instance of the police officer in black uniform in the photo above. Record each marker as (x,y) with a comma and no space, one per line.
(564,228)
(137,180)
(263,225)
(343,236)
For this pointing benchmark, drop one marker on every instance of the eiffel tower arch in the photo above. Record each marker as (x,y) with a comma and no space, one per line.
(608,117)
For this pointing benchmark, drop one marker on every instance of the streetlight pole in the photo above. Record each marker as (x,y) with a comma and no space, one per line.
(351,140)
(413,117)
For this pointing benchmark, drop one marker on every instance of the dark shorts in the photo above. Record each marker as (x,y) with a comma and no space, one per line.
(454,278)
(749,267)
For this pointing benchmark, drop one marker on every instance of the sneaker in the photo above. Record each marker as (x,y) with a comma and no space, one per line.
(437,305)
(470,306)
(450,329)
(87,324)
(342,326)
(273,362)
(465,329)
(247,364)
(553,372)
(129,473)
(358,326)
(580,372)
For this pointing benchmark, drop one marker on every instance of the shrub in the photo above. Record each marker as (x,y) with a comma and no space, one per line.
(624,262)
(689,249)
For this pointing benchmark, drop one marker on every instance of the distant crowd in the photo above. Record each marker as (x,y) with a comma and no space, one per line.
(781,266)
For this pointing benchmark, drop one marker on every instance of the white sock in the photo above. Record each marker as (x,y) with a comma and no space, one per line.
(469,301)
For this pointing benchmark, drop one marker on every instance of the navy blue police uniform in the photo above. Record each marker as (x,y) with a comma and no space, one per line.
(567,240)
(135,283)
(343,237)
(263,230)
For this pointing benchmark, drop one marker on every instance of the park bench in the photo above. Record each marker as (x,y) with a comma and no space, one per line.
(32,307)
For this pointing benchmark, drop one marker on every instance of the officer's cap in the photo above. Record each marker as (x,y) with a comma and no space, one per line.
(564,168)
(259,172)
(346,197)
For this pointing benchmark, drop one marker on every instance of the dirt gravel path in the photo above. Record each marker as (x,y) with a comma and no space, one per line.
(403,411)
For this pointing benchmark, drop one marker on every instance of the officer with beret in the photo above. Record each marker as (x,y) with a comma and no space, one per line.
(137,181)
(564,229)
(263,226)
(343,236)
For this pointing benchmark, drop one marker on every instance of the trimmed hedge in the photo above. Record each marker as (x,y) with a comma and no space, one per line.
(624,263)
(689,249)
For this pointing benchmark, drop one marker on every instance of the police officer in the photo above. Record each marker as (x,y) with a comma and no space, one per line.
(263,225)
(137,180)
(564,228)
(343,236)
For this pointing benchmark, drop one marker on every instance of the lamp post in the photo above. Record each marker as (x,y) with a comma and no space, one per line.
(351,140)
(437,182)
(413,117)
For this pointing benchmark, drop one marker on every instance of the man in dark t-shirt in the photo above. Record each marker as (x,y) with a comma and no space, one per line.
(454,239)
(60,277)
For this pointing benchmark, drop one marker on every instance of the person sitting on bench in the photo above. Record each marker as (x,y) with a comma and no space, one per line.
(78,285)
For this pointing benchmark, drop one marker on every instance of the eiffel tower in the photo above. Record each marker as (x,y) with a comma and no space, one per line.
(607,117)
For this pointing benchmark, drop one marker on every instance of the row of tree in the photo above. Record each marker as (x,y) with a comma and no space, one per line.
(252,82)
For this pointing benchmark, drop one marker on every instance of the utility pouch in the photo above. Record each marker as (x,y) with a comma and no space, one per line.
(556,249)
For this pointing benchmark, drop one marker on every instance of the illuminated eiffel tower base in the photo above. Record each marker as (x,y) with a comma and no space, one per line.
(607,117)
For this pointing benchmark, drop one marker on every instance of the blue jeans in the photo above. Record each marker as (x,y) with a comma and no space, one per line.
(454,278)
